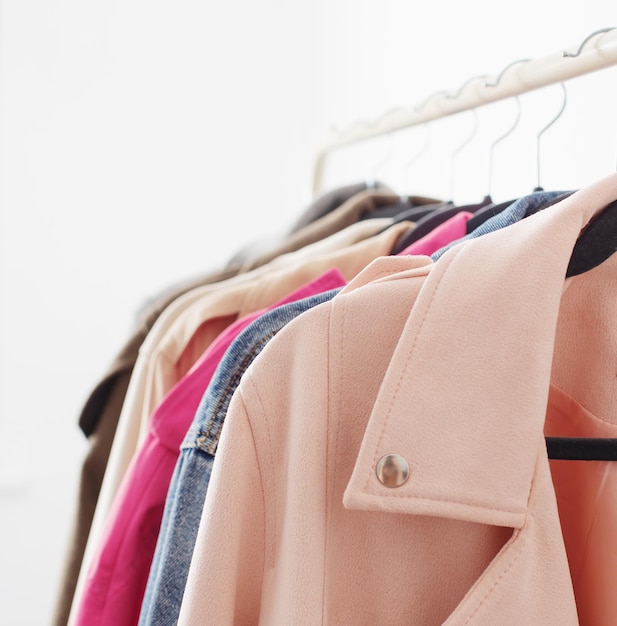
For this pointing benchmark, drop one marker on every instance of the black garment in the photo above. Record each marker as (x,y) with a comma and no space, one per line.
(432,220)
(407,209)
(485,213)
(597,242)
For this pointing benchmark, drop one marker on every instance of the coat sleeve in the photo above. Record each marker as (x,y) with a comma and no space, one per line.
(226,575)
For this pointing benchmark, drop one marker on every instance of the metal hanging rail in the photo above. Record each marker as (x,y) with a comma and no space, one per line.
(597,51)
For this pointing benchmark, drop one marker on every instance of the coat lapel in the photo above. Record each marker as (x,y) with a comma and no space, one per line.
(464,398)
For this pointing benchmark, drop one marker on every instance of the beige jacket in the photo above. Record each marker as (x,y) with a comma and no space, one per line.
(457,368)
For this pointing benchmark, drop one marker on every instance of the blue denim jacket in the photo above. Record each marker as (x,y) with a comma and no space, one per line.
(187,492)
(512,214)
(189,484)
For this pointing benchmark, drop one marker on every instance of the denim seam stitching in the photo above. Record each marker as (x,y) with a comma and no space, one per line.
(207,433)
(240,372)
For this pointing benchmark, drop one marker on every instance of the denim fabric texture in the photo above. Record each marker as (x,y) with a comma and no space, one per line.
(189,484)
(516,211)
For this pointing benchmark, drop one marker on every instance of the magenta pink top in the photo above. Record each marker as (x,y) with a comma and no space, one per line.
(117,578)
(440,236)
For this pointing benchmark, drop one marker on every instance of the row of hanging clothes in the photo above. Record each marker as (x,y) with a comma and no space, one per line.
(402,412)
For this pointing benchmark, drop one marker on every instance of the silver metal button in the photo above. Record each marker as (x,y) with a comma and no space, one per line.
(392,470)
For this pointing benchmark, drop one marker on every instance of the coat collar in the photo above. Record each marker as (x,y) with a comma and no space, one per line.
(464,397)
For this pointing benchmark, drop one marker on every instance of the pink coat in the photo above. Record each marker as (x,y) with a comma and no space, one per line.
(454,367)
(440,236)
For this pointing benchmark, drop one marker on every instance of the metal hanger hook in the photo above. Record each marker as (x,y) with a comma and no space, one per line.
(372,181)
(436,94)
(376,124)
(467,141)
(469,81)
(499,140)
(584,42)
(423,148)
(503,72)
(539,136)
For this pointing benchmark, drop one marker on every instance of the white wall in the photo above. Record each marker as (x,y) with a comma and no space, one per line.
(144,142)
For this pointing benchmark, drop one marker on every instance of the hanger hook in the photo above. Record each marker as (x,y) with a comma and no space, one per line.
(538,137)
(499,140)
(425,144)
(372,181)
(503,71)
(376,124)
(474,130)
(424,102)
(456,94)
(584,42)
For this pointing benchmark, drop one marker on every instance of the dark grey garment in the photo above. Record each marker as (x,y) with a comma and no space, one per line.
(330,200)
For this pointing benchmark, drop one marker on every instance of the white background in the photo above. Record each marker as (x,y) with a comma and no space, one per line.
(142,143)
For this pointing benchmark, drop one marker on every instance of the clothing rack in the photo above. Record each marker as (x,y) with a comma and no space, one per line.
(597,51)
